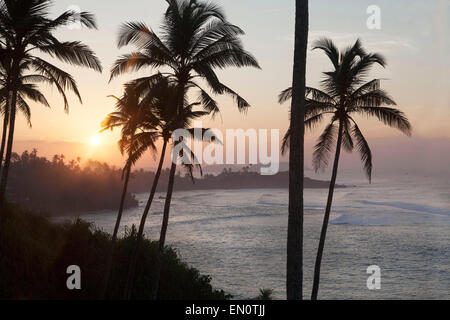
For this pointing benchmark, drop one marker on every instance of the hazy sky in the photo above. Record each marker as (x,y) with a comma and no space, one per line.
(414,38)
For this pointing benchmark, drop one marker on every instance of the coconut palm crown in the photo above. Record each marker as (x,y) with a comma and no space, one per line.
(346,94)
(195,40)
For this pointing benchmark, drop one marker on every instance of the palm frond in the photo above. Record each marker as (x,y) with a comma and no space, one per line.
(286,142)
(324,147)
(362,67)
(242,104)
(60,79)
(75,53)
(313,121)
(134,62)
(316,95)
(330,49)
(211,33)
(389,116)
(319,95)
(347,141)
(365,88)
(364,150)
(29,91)
(193,163)
(374,98)
(208,103)
(228,57)
(285,95)
(23,106)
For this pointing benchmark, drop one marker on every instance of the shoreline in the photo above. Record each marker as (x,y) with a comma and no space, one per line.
(95,212)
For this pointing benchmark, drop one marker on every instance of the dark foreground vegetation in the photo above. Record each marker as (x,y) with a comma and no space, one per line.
(35,255)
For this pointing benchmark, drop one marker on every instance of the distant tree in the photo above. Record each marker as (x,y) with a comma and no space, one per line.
(345,95)
(26,33)
(56,187)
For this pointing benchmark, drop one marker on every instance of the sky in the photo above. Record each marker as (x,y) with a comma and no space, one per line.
(413,37)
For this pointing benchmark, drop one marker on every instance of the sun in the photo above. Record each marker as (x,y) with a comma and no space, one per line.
(96,141)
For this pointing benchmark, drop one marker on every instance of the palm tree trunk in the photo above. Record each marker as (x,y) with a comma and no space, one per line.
(132,267)
(12,120)
(114,236)
(162,238)
(4,134)
(294,267)
(182,82)
(326,219)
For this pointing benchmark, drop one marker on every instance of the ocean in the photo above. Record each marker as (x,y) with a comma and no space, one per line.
(238,237)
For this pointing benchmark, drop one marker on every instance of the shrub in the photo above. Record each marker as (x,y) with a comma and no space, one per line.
(35,254)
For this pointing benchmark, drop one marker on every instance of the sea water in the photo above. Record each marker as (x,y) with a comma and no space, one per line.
(238,237)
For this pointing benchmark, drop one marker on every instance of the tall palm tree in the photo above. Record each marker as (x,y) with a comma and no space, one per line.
(345,94)
(162,96)
(26,90)
(138,134)
(27,29)
(4,98)
(196,39)
(294,266)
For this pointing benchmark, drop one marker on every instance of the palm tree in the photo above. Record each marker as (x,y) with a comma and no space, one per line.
(162,96)
(294,266)
(138,125)
(196,40)
(4,99)
(27,29)
(25,90)
(346,94)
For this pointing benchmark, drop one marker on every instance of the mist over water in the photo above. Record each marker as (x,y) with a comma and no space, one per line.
(401,224)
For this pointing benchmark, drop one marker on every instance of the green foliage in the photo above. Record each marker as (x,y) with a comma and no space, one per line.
(35,254)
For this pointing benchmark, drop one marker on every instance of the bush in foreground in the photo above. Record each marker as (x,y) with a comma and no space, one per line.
(35,255)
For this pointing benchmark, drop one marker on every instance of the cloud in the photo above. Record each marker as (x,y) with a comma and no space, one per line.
(374,41)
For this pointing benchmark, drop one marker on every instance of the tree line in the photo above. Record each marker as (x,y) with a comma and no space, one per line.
(58,186)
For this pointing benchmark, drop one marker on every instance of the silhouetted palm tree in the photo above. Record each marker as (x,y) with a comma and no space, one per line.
(294,265)
(138,134)
(26,91)
(161,95)
(196,39)
(27,29)
(345,95)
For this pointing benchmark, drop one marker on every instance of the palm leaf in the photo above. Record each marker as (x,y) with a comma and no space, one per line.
(324,147)
(390,117)
(75,53)
(364,150)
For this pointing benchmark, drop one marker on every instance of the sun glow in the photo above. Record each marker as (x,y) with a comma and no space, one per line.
(96,141)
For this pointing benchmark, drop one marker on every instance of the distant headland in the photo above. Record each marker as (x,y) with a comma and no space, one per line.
(228,180)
